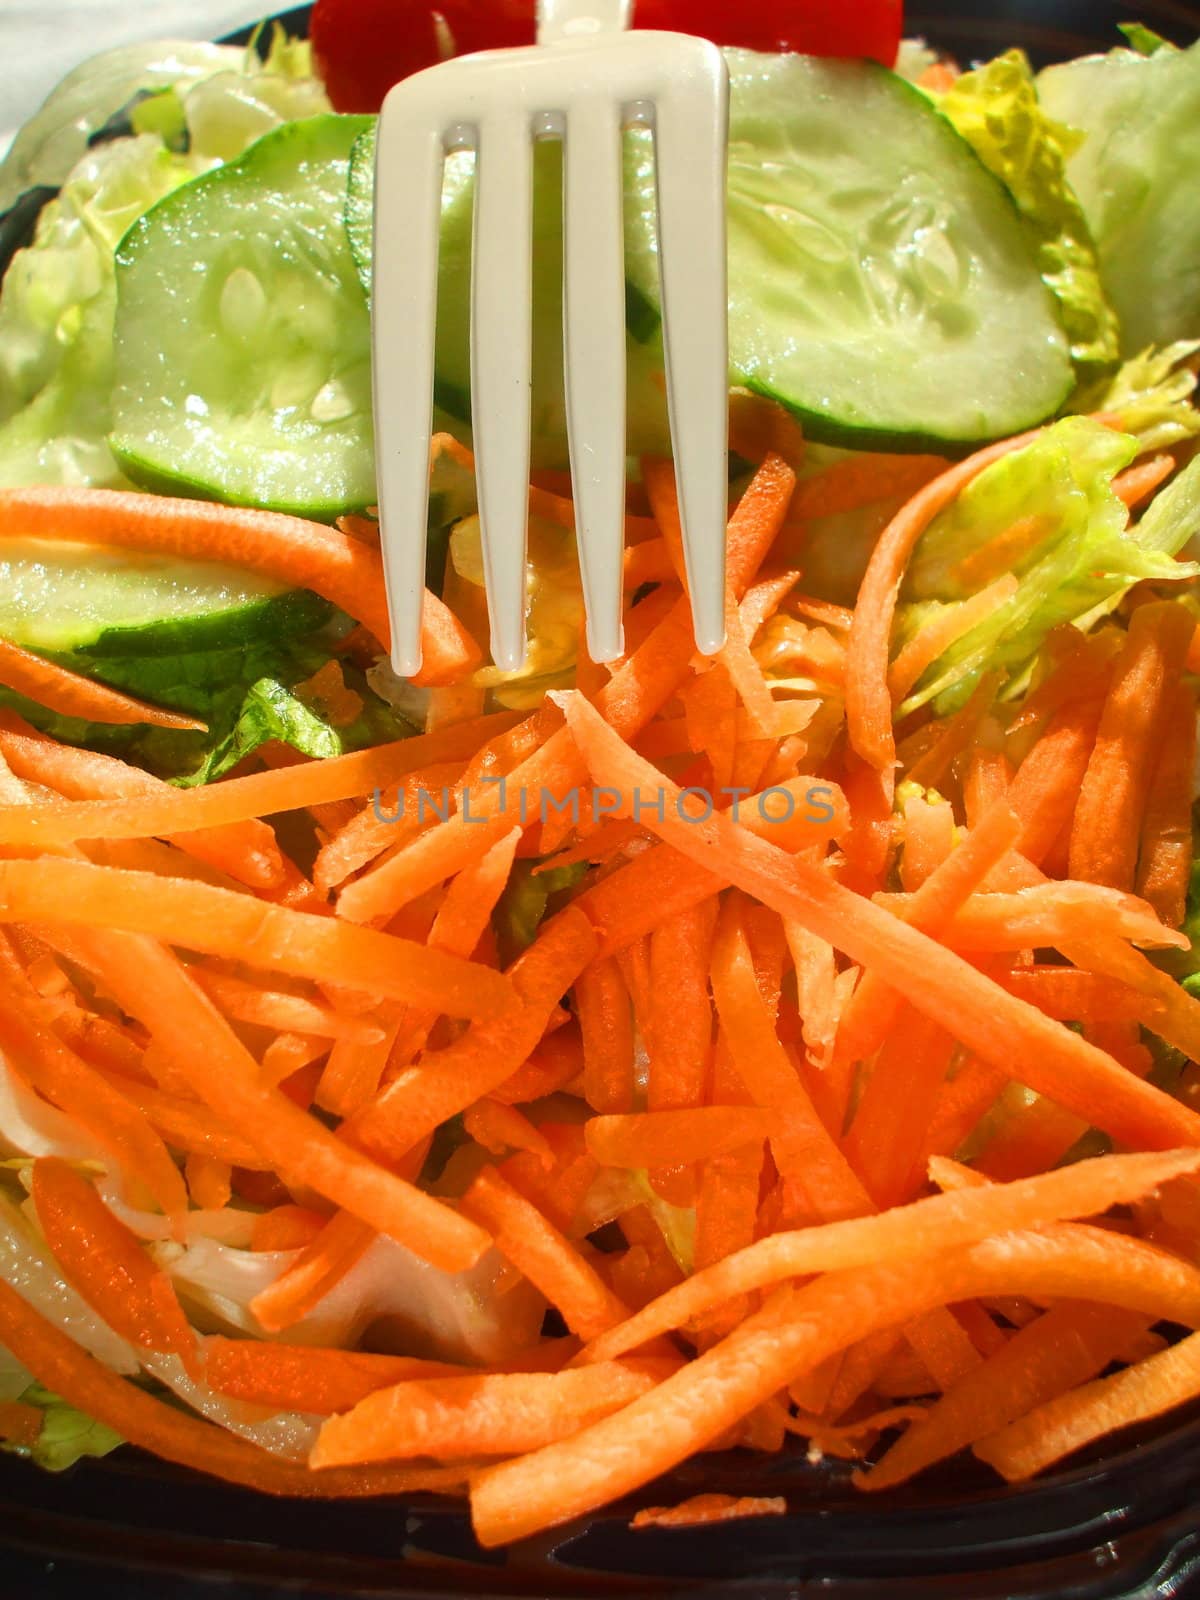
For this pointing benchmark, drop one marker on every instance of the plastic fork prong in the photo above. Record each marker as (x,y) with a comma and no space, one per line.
(408,194)
(501,362)
(594,349)
(690,144)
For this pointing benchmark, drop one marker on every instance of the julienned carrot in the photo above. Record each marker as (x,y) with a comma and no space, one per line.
(107,1264)
(1066,1345)
(1138,483)
(536,1248)
(149,983)
(316,1379)
(1067,1423)
(245,850)
(956,735)
(861,481)
(1112,800)
(170,811)
(555,1062)
(996,1026)
(794,1331)
(941,631)
(209,1181)
(873,1007)
(285,1227)
(320,1266)
(963,1101)
(1046,787)
(680,1022)
(269,1008)
(701,1510)
(306,555)
(388,822)
(61,1366)
(447,1081)
(885,1138)
(491,1414)
(1074,996)
(58,1073)
(1046,914)
(1165,850)
(219,922)
(605,1014)
(448,652)
(20,1424)
(674,1138)
(926,1227)
(186,1124)
(868,701)
(71,695)
(500,1128)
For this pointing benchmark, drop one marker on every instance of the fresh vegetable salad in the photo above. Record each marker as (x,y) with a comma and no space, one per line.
(514,1083)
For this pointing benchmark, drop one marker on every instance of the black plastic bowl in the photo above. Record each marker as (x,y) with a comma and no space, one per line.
(1120,1524)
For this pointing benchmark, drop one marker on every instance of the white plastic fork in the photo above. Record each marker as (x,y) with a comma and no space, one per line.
(584,80)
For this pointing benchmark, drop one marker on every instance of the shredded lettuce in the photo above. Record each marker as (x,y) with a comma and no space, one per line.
(1152,396)
(1135,175)
(996,110)
(523,905)
(67,1435)
(1076,558)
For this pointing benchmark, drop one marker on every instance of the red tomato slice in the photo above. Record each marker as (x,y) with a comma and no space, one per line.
(363,47)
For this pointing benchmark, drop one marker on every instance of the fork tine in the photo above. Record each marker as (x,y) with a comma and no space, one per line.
(501,362)
(408,196)
(594,348)
(690,173)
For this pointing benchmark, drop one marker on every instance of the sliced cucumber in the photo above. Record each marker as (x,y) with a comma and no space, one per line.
(56,597)
(1137,174)
(882,285)
(242,333)
(646,428)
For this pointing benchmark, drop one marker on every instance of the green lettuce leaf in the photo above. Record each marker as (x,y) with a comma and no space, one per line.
(1152,396)
(1143,39)
(1080,558)
(523,905)
(996,110)
(1135,175)
(67,1435)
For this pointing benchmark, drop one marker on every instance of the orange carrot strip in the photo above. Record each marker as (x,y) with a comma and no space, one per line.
(500,1128)
(790,1335)
(307,555)
(1046,787)
(106,1263)
(674,1138)
(1138,483)
(943,630)
(1047,914)
(759,427)
(72,695)
(246,850)
(928,1227)
(868,701)
(885,1140)
(198,916)
(388,822)
(1165,852)
(319,1268)
(955,735)
(872,1009)
(974,1088)
(1038,1439)
(447,1081)
(700,1510)
(285,1227)
(186,1125)
(680,1008)
(149,983)
(209,1181)
(170,811)
(491,1414)
(1074,996)
(928,838)
(269,1008)
(555,1061)
(55,1071)
(544,1255)
(307,1377)
(606,1023)
(173,1435)
(448,652)
(1066,1345)
(1003,1030)
(1112,800)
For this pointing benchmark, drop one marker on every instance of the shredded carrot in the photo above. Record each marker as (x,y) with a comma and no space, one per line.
(790,1334)
(307,1378)
(71,695)
(606,1024)
(286,1227)
(1166,848)
(536,1248)
(671,1138)
(320,1265)
(1138,483)
(20,1424)
(500,1128)
(106,1263)
(700,1510)
(940,632)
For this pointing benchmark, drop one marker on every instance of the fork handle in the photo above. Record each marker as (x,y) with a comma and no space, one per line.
(580,19)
